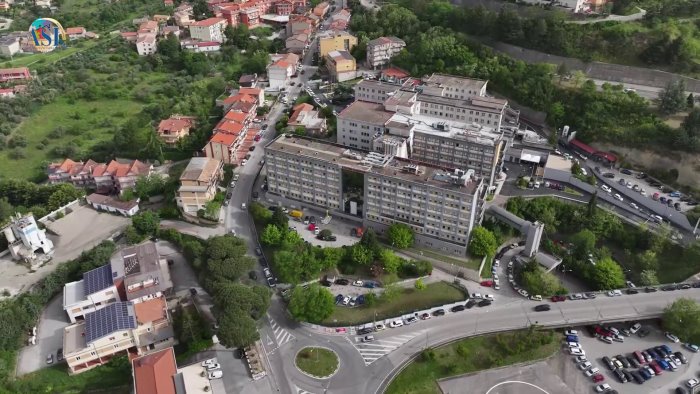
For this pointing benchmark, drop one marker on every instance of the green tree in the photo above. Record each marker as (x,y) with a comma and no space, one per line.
(648,278)
(419,284)
(400,235)
(313,304)
(584,243)
(236,329)
(132,236)
(648,261)
(683,319)
(390,261)
(271,235)
(607,274)
(538,281)
(690,101)
(672,98)
(146,222)
(280,219)
(482,242)
(259,212)
(592,205)
(369,240)
(576,169)
(360,255)
(170,49)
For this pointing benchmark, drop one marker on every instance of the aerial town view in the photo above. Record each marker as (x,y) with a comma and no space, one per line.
(349,196)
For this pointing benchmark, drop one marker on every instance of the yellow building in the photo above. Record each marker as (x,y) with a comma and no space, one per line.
(198,183)
(341,65)
(335,41)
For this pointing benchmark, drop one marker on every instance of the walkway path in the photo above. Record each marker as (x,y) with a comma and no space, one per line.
(614,18)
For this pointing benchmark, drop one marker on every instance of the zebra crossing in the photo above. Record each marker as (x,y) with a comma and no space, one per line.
(281,335)
(373,351)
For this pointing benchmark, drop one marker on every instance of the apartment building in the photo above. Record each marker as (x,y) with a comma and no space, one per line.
(281,69)
(210,29)
(381,50)
(341,66)
(95,291)
(331,40)
(441,206)
(198,183)
(443,120)
(175,127)
(106,178)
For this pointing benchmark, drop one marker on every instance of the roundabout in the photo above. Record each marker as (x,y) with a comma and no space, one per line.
(317,362)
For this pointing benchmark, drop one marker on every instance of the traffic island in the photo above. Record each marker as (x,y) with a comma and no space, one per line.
(316,362)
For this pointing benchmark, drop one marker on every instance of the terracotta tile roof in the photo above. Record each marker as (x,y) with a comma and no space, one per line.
(227,126)
(176,123)
(209,22)
(246,98)
(224,139)
(153,373)
(251,91)
(75,30)
(298,110)
(64,166)
(241,106)
(238,117)
(151,310)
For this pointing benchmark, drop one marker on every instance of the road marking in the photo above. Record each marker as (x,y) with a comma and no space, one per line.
(302,391)
(373,351)
(282,336)
(517,382)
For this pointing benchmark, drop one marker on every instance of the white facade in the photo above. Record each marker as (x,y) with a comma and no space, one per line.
(77,305)
(25,238)
(211,29)
(146,44)
(9,47)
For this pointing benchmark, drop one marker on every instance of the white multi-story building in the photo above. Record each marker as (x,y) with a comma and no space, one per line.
(443,120)
(146,44)
(441,206)
(211,29)
(25,239)
(381,50)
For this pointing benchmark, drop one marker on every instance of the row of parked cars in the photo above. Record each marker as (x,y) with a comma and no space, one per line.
(400,322)
(571,342)
(642,365)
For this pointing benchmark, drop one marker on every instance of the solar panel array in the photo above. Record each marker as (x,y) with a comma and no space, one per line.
(114,317)
(97,279)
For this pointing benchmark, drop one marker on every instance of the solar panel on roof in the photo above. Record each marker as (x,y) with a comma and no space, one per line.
(97,279)
(114,317)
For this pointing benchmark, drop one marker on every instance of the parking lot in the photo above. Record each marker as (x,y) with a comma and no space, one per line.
(596,349)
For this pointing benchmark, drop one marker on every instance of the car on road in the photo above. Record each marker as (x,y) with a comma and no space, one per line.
(216,375)
(258,251)
(439,312)
(212,367)
(598,378)
(59,354)
(339,298)
(379,327)
(605,339)
(396,323)
(614,293)
(368,338)
(692,383)
(484,303)
(470,304)
(358,283)
(487,283)
(542,308)
(601,388)
(243,206)
(691,347)
(425,316)
(193,291)
(457,308)
(209,362)
(618,197)
(671,337)
(570,332)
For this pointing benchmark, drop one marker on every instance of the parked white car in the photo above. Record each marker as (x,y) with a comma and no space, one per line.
(216,375)
(396,323)
(209,362)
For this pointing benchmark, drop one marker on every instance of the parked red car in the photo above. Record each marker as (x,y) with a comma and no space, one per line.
(558,298)
(598,378)
(312,227)
(487,283)
(257,138)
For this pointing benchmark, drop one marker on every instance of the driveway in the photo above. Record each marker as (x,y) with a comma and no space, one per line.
(49,338)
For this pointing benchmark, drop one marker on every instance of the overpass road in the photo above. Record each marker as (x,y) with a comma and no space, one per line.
(356,376)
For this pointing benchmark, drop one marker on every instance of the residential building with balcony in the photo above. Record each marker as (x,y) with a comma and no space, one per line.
(341,66)
(222,147)
(198,183)
(114,177)
(155,373)
(95,291)
(282,68)
(175,127)
(381,50)
(211,29)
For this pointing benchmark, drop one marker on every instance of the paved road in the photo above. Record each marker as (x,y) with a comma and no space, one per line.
(614,18)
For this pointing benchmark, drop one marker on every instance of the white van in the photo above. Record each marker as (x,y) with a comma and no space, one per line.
(606,188)
(657,218)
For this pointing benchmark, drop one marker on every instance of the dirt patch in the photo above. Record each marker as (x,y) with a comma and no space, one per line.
(687,164)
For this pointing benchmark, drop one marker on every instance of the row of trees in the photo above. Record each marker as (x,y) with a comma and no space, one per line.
(222,262)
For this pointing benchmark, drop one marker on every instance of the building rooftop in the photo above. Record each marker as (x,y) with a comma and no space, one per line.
(114,317)
(189,379)
(111,201)
(73,293)
(473,132)
(151,310)
(442,80)
(98,279)
(200,169)
(557,162)
(154,373)
(386,40)
(365,112)
(340,55)
(303,147)
(487,104)
(208,22)
(412,171)
(74,338)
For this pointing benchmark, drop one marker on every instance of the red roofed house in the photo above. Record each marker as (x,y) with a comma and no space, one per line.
(168,3)
(257,93)
(130,36)
(306,116)
(249,13)
(222,146)
(211,29)
(15,74)
(154,373)
(229,127)
(75,33)
(298,24)
(175,127)
(113,177)
(321,9)
(7,93)
(239,117)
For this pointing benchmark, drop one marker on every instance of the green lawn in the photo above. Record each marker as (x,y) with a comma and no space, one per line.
(410,300)
(471,355)
(113,379)
(466,262)
(86,123)
(47,58)
(317,361)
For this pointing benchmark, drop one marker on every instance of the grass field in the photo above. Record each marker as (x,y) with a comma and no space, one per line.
(48,58)
(410,300)
(105,379)
(85,124)
(317,361)
(471,355)
(467,262)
